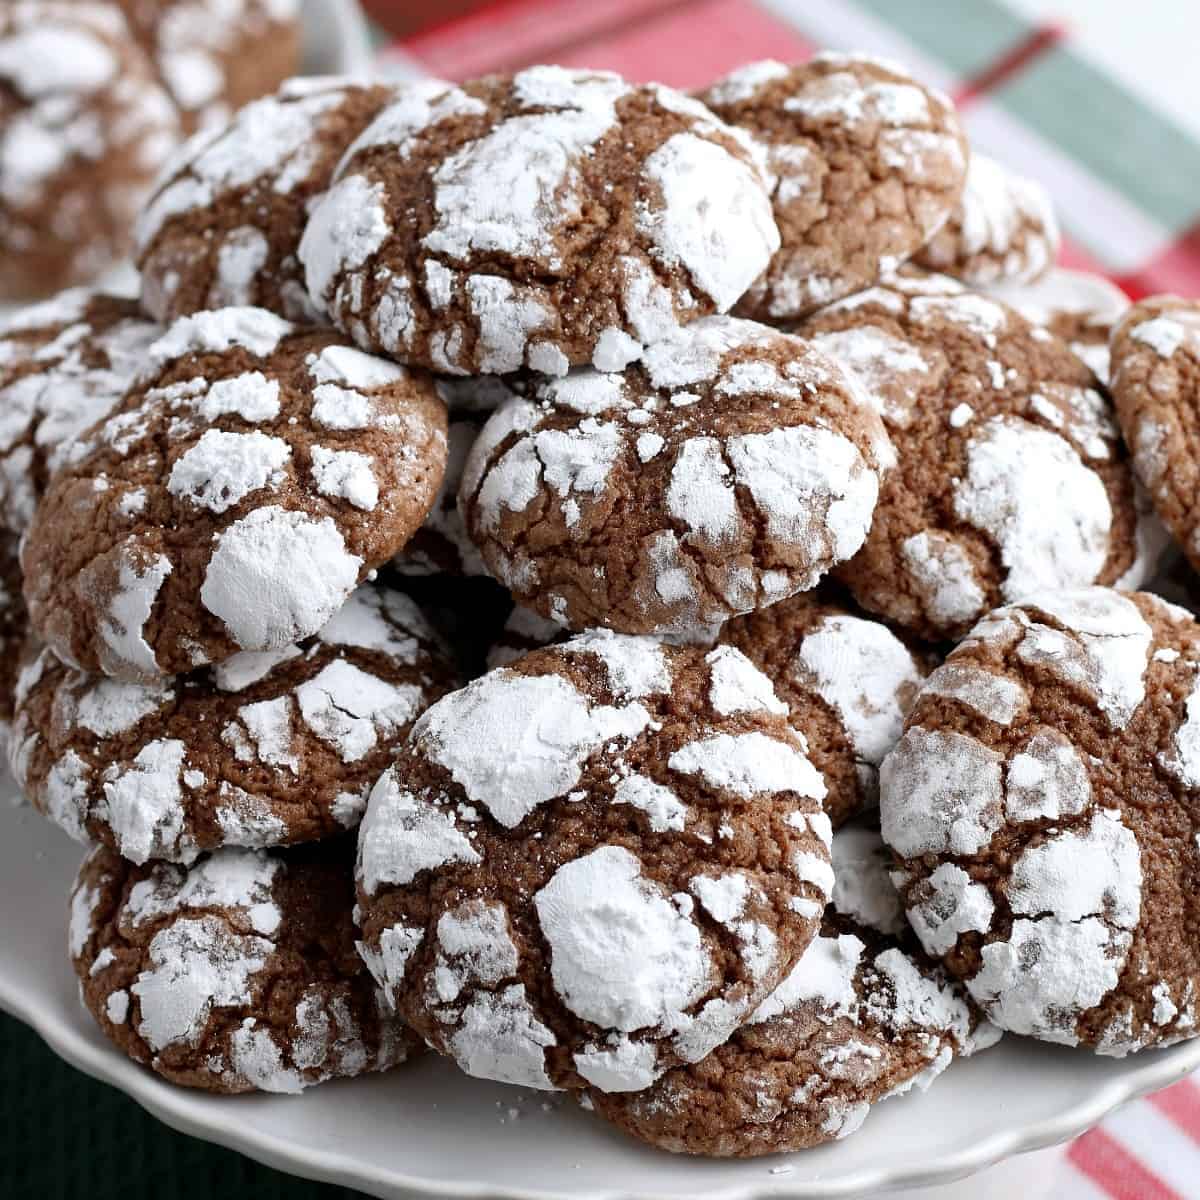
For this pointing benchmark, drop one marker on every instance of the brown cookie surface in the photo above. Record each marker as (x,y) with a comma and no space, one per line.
(64,364)
(266,749)
(1003,228)
(545,219)
(252,477)
(862,1017)
(866,165)
(236,974)
(734,466)
(224,224)
(1042,805)
(614,891)
(1010,472)
(85,127)
(1156,389)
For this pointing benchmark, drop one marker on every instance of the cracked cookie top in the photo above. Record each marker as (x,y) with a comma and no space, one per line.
(223,226)
(268,748)
(866,165)
(1043,808)
(236,974)
(546,219)
(732,467)
(253,475)
(1010,472)
(592,865)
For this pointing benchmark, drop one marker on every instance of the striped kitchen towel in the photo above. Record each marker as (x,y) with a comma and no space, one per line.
(1098,99)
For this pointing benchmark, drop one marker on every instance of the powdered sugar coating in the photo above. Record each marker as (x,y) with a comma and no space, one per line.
(202,238)
(63,365)
(490,279)
(204,974)
(735,509)
(1031,839)
(624,777)
(861,1017)
(226,435)
(1004,229)
(264,750)
(1010,474)
(866,165)
(85,129)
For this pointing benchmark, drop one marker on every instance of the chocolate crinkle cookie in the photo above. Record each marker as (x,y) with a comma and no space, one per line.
(84,126)
(1004,228)
(236,974)
(592,865)
(1043,808)
(224,224)
(1079,307)
(14,629)
(266,749)
(252,477)
(544,219)
(863,1016)
(213,56)
(64,364)
(1156,388)
(866,165)
(732,467)
(1010,473)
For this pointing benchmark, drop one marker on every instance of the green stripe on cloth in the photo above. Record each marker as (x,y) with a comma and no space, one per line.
(1091,117)
(966,39)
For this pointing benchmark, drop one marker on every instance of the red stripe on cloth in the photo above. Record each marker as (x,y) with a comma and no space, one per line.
(1012,62)
(1112,1168)
(1175,269)
(690,47)
(515,33)
(1181,1106)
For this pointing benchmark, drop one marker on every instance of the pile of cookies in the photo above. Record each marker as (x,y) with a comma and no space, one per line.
(743,716)
(94,97)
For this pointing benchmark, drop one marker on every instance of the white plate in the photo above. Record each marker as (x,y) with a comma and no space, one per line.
(426,1131)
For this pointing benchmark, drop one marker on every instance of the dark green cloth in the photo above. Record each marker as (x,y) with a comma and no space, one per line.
(64,1136)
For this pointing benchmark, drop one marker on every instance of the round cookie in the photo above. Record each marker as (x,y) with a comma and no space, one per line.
(1076,306)
(237,974)
(1043,808)
(1156,389)
(862,1017)
(265,749)
(254,475)
(64,364)
(1011,475)
(84,127)
(866,165)
(14,629)
(848,682)
(732,467)
(544,219)
(213,56)
(592,865)
(1004,229)
(224,224)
